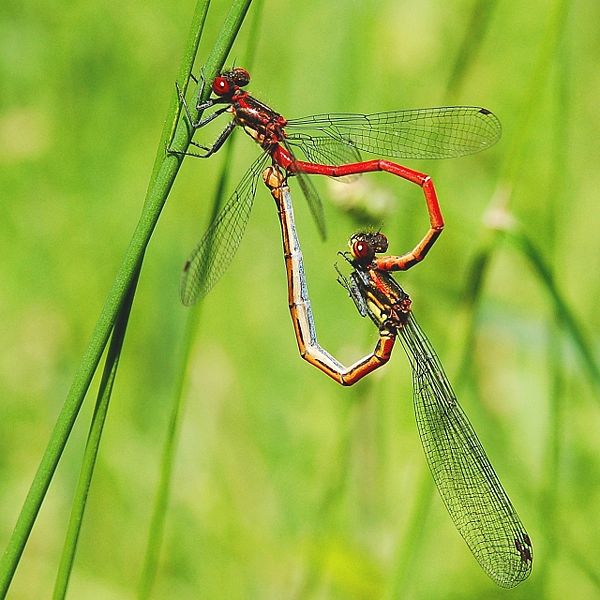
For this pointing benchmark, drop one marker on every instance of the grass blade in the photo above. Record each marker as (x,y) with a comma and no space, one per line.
(481,15)
(92,446)
(565,315)
(157,523)
(411,544)
(163,176)
(559,184)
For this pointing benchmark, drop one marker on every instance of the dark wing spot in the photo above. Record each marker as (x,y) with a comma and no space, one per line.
(524,549)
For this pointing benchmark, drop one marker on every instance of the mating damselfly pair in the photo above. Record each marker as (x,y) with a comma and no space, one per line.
(468,484)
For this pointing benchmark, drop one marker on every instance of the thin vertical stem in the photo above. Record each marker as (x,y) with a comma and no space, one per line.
(157,523)
(558,185)
(92,446)
(481,15)
(162,179)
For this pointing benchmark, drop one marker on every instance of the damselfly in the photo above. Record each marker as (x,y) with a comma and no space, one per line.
(467,482)
(298,297)
(331,144)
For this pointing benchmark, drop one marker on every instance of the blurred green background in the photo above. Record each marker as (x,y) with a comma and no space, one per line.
(287,485)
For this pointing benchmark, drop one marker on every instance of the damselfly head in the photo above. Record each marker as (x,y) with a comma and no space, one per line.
(228,82)
(364,245)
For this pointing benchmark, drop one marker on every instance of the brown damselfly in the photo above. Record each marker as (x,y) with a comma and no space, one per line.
(463,474)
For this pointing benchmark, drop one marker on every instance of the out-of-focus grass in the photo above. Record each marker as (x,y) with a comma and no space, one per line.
(115,312)
(259,507)
(169,453)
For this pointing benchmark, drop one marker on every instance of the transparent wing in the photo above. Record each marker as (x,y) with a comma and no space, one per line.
(312,197)
(443,132)
(354,291)
(324,150)
(212,256)
(468,485)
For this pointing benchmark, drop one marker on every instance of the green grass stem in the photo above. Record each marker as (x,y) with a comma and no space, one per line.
(157,523)
(559,184)
(565,315)
(92,446)
(477,26)
(118,335)
(516,156)
(491,241)
(162,179)
(411,541)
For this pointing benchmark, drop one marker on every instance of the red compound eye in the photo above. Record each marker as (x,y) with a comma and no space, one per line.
(361,250)
(221,86)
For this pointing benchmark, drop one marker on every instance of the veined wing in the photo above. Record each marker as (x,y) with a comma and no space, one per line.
(324,150)
(216,249)
(312,197)
(467,483)
(443,132)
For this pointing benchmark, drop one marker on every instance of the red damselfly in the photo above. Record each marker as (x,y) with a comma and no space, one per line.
(331,143)
(465,479)
(298,297)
